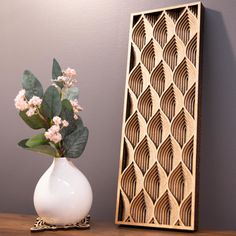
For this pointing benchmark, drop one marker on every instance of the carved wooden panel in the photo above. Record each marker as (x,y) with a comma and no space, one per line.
(158,162)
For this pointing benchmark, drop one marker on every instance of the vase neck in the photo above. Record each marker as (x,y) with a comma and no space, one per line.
(62,164)
(60,161)
(60,158)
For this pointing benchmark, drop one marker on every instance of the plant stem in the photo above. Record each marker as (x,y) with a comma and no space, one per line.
(42,117)
(60,148)
(55,146)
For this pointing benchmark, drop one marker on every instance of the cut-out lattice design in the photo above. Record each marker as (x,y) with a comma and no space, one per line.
(145,104)
(189,100)
(125,160)
(132,129)
(187,154)
(181,76)
(142,155)
(139,34)
(152,183)
(185,26)
(165,155)
(175,14)
(136,80)
(160,31)
(148,56)
(179,128)
(129,105)
(194,10)
(121,207)
(128,182)
(168,102)
(176,183)
(170,53)
(185,211)
(159,144)
(152,17)
(177,223)
(191,50)
(155,129)
(157,79)
(138,208)
(133,59)
(163,209)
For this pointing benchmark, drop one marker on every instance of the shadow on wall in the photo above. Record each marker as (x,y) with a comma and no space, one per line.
(218,149)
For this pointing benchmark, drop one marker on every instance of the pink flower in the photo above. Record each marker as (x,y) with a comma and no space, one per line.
(22,104)
(35,101)
(55,128)
(67,78)
(69,72)
(65,123)
(61,78)
(31,111)
(56,138)
(20,101)
(48,134)
(56,120)
(67,81)
(75,105)
(21,93)
(53,134)
(76,108)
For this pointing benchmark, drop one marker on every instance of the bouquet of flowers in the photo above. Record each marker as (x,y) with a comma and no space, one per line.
(56,111)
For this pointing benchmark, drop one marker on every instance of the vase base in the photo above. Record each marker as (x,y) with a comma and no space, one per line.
(40,225)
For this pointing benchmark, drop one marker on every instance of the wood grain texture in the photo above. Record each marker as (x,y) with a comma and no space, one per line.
(19,225)
(157,183)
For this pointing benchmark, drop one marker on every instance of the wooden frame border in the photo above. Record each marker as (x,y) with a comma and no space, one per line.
(142,102)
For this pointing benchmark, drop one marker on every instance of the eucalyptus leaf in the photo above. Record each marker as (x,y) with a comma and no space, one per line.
(79,123)
(35,121)
(44,149)
(36,140)
(51,104)
(56,69)
(31,85)
(74,144)
(67,114)
(59,84)
(71,93)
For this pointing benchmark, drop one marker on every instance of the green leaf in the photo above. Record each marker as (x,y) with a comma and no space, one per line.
(59,84)
(44,149)
(51,104)
(36,140)
(79,123)
(31,85)
(67,114)
(56,69)
(75,143)
(71,93)
(34,122)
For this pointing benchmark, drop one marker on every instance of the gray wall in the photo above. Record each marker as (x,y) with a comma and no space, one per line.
(92,37)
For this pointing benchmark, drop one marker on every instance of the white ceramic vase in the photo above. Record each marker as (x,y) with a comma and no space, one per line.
(63,194)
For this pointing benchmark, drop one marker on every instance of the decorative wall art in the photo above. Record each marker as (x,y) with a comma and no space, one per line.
(157,185)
